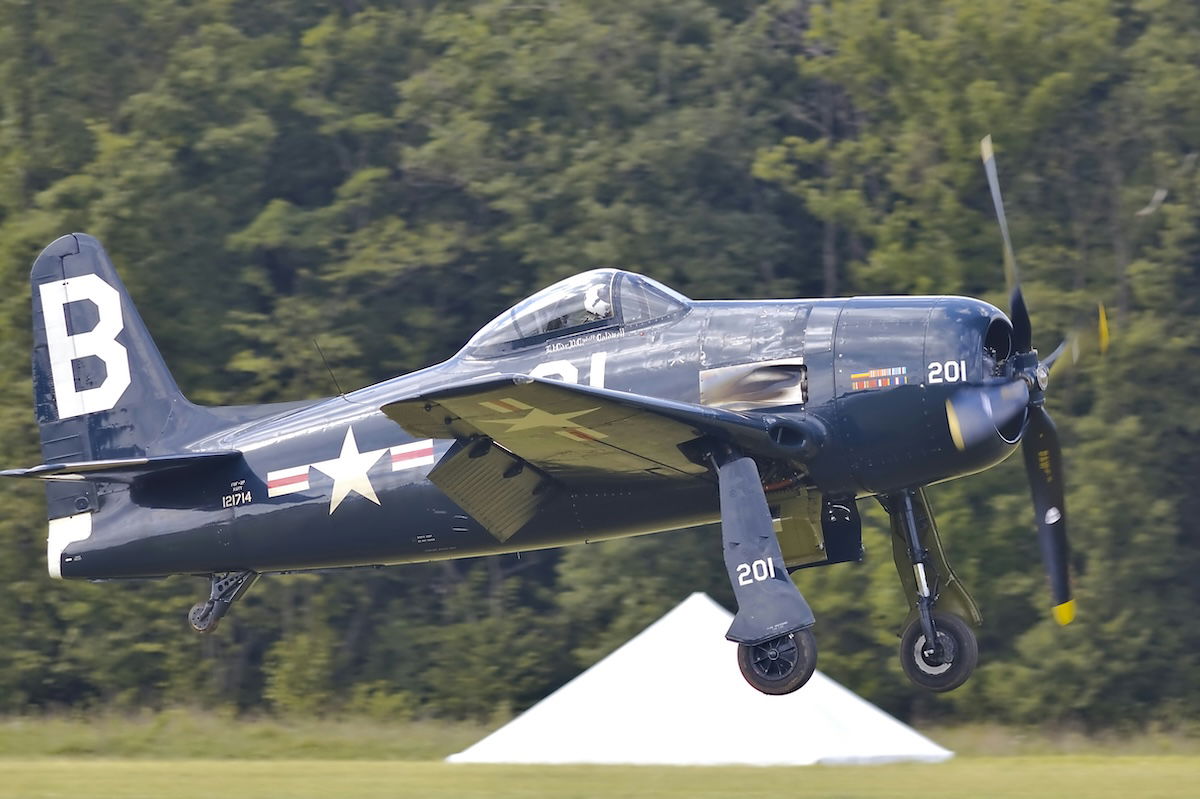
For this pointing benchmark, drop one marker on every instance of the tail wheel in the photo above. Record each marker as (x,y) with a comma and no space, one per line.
(202,618)
(957,661)
(781,665)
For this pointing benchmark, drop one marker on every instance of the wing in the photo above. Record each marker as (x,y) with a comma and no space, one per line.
(525,442)
(557,437)
(580,434)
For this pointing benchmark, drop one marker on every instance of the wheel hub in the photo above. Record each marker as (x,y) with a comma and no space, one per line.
(776,659)
(780,665)
(940,659)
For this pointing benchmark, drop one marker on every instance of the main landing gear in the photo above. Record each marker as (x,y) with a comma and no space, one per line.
(776,650)
(226,589)
(938,649)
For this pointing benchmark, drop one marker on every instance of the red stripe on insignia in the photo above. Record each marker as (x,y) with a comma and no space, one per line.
(410,456)
(279,482)
(425,452)
(506,404)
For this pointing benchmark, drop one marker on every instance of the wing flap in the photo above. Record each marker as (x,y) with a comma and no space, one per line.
(498,489)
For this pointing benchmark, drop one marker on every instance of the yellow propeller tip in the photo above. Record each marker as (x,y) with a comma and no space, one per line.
(985,147)
(1103,329)
(1064,614)
(955,427)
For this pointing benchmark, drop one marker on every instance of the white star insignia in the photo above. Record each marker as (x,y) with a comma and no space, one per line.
(349,472)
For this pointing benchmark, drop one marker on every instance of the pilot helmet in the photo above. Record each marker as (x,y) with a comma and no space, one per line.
(594,303)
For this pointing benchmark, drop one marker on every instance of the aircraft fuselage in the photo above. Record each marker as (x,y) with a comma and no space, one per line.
(338,483)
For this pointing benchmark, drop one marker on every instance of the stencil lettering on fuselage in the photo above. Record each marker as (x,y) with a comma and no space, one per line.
(67,348)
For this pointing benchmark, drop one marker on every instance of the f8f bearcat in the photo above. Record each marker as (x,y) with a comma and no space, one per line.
(606,405)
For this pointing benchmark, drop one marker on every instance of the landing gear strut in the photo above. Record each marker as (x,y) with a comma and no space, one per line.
(226,589)
(938,649)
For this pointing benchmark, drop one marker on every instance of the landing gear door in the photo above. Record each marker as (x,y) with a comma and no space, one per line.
(817,531)
(799,527)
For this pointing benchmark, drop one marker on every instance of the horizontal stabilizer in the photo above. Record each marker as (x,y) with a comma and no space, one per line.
(120,469)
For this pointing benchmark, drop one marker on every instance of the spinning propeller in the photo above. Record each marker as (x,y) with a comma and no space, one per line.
(976,413)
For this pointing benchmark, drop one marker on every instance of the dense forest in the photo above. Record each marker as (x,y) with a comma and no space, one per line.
(388,176)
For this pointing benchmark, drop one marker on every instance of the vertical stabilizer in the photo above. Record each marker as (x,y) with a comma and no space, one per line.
(101,388)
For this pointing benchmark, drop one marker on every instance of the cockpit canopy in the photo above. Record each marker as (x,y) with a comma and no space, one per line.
(602,299)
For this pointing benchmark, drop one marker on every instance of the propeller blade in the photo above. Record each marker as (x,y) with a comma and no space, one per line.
(1068,344)
(1082,337)
(1022,328)
(1044,465)
(989,166)
(975,413)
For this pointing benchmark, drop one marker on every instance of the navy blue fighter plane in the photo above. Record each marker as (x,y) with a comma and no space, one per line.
(606,405)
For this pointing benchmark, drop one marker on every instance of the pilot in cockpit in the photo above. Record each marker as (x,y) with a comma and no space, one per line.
(595,304)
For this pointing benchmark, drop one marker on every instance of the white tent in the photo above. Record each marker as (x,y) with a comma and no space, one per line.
(673,695)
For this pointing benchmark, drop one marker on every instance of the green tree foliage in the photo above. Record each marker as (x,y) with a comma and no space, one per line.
(386,176)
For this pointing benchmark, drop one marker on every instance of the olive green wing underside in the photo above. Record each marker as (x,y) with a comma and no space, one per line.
(575,433)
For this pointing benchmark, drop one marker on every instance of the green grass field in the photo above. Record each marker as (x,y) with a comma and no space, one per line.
(181,754)
(181,734)
(981,778)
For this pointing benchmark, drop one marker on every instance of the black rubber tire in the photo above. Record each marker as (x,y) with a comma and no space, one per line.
(958,641)
(781,665)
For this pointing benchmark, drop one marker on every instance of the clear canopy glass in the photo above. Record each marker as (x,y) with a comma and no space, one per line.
(595,300)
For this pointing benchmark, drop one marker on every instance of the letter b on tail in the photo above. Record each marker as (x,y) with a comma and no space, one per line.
(69,350)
